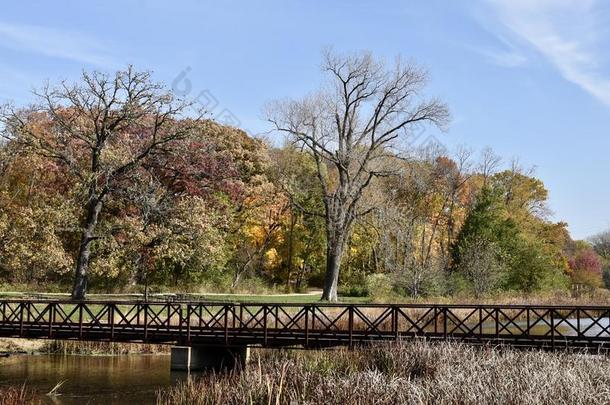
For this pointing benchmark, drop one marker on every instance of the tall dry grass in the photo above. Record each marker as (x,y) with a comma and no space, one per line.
(101,348)
(404,373)
(599,296)
(17,395)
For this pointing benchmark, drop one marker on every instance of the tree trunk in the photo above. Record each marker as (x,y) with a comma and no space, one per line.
(79,290)
(290,248)
(334,251)
(375,260)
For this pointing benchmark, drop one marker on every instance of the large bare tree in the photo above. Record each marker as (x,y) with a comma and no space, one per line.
(350,127)
(102,130)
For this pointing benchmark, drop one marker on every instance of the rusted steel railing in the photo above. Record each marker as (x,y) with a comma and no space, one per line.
(308,326)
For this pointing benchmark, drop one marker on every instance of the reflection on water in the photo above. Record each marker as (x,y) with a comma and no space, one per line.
(91,379)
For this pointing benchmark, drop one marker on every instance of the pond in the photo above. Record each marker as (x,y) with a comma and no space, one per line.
(116,380)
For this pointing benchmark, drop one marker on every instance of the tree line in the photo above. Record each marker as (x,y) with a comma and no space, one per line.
(114,183)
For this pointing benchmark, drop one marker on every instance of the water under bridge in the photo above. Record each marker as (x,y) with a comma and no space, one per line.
(221,329)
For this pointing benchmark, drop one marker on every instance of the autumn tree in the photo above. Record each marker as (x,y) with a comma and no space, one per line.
(586,266)
(102,130)
(302,245)
(35,217)
(349,128)
(406,237)
(201,176)
(509,216)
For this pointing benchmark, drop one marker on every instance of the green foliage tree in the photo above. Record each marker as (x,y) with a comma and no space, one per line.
(484,242)
(521,262)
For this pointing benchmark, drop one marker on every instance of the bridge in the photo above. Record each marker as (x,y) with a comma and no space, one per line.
(206,333)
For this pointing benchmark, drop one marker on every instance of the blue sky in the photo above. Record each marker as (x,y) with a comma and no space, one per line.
(529,78)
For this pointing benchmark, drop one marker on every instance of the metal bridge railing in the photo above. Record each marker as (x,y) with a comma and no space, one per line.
(310,325)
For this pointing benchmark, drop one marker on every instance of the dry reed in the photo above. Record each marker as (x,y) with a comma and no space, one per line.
(404,373)
(101,348)
(17,395)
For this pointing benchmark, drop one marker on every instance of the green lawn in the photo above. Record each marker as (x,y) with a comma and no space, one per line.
(298,299)
(248,298)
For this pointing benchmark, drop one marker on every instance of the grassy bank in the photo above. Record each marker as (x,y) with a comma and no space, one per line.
(15,345)
(404,373)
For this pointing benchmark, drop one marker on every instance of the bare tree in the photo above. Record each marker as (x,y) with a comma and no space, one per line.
(400,253)
(481,265)
(102,130)
(349,127)
(489,164)
(458,179)
(601,243)
(417,224)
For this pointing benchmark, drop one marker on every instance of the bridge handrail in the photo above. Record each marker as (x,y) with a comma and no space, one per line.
(314,304)
(306,324)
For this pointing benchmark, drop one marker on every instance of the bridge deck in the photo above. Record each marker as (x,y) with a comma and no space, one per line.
(307,326)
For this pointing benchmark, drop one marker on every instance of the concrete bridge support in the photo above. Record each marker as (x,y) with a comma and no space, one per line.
(186,358)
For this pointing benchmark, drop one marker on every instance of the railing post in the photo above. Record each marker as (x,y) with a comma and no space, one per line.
(241,316)
(145,321)
(200,315)
(553,329)
(445,311)
(480,322)
(497,322)
(188,323)
(265,325)
(306,326)
(111,320)
(21,306)
(51,312)
(578,334)
(180,320)
(395,321)
(169,315)
(351,326)
(226,319)
(80,321)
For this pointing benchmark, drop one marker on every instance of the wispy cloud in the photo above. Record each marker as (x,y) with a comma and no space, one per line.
(566,33)
(509,58)
(54,43)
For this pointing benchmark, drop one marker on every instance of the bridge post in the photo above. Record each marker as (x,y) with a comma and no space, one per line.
(187,358)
